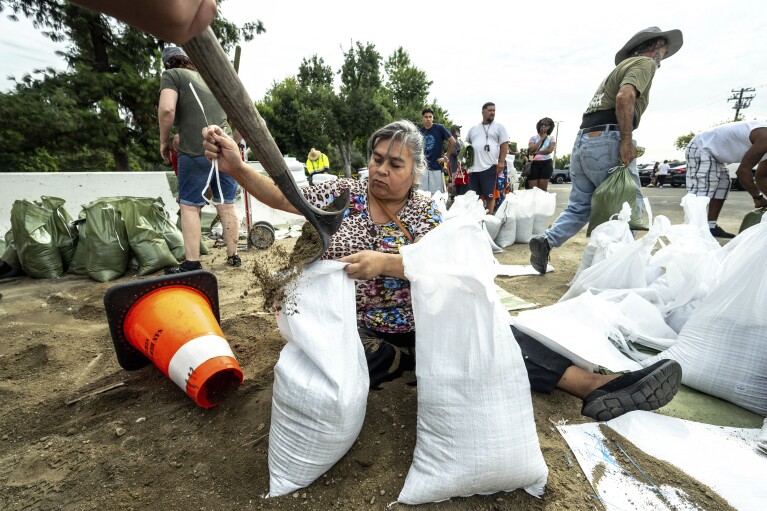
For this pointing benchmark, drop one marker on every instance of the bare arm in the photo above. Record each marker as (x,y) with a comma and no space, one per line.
(218,145)
(755,153)
(369,264)
(502,157)
(166,113)
(625,102)
(450,146)
(761,178)
(171,20)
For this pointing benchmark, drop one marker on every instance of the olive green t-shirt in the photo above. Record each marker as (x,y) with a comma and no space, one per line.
(637,71)
(189,118)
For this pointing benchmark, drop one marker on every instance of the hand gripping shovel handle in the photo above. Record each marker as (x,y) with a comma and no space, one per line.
(214,67)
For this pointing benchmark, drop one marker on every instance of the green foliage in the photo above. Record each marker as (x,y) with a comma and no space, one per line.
(101,113)
(562,161)
(683,140)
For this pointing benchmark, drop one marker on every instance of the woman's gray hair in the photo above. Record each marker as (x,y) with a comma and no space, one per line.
(406,132)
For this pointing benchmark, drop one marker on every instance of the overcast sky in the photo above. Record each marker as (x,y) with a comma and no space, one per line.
(533,60)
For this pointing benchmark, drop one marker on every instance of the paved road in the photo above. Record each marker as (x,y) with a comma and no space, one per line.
(666,200)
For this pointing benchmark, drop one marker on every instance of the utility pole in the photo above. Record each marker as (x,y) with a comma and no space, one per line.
(556,137)
(741,103)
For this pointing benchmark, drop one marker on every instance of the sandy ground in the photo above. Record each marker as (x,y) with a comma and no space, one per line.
(146,445)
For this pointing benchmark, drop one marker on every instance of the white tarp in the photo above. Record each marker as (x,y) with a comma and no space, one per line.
(724,459)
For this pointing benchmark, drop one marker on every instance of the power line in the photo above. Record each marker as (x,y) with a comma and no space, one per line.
(741,102)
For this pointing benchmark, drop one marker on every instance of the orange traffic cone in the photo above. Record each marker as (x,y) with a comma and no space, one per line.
(173,321)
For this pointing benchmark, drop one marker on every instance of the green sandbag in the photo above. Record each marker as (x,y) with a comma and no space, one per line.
(608,199)
(148,245)
(66,232)
(168,230)
(108,250)
(10,255)
(203,247)
(78,265)
(34,235)
(752,218)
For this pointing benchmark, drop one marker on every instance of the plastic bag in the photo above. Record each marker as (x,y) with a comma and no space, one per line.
(723,346)
(476,433)
(507,232)
(608,199)
(320,381)
(628,267)
(525,212)
(146,243)
(10,255)
(753,217)
(606,239)
(65,230)
(34,236)
(545,203)
(107,250)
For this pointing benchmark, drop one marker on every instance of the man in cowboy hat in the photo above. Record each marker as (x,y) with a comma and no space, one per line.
(605,139)
(316,163)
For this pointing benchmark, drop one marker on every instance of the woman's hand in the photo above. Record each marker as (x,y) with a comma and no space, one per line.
(368,264)
(217,144)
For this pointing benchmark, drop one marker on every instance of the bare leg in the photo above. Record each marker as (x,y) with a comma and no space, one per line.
(190,229)
(543,184)
(491,205)
(714,208)
(228,215)
(580,383)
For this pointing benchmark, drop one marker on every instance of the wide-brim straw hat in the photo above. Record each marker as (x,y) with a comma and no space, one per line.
(314,154)
(673,39)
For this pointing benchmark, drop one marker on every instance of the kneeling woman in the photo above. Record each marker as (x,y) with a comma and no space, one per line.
(386,213)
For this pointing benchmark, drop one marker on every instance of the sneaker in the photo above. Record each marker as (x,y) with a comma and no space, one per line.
(647,389)
(539,253)
(183,267)
(234,260)
(718,232)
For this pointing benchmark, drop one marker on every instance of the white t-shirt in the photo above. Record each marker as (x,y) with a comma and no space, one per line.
(663,169)
(729,142)
(492,135)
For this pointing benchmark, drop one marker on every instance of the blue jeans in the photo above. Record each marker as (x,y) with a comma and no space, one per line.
(193,173)
(590,162)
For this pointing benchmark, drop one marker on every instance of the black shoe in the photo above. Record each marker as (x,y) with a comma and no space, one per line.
(234,260)
(8,272)
(718,232)
(646,389)
(539,253)
(183,267)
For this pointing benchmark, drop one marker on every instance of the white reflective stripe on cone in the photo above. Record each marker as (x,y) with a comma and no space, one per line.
(193,354)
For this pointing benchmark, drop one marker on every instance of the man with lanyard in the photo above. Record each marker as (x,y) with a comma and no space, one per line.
(605,139)
(316,163)
(491,145)
(434,137)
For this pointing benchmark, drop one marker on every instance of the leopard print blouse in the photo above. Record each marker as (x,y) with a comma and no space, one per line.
(383,303)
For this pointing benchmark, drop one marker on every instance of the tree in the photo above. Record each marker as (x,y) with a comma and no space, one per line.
(363,105)
(407,85)
(112,79)
(683,140)
(562,161)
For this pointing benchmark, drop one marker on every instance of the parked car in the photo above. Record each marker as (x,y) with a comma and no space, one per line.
(645,173)
(560,176)
(732,169)
(677,176)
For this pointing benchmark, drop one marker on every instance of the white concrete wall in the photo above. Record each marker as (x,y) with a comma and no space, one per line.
(80,188)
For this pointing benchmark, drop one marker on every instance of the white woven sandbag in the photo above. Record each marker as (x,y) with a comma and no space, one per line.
(506,213)
(476,433)
(524,216)
(545,204)
(723,346)
(320,381)
(606,238)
